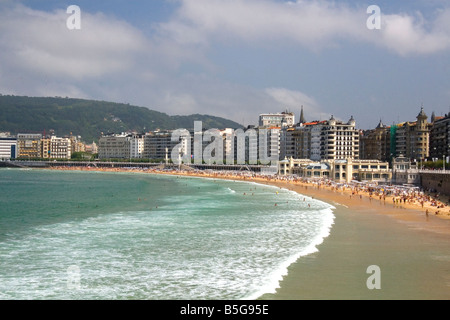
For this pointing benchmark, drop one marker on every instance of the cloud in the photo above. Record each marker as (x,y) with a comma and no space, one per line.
(172,67)
(312,24)
(306,22)
(39,42)
(292,100)
(407,34)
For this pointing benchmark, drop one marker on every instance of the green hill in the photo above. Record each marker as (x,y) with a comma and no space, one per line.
(90,118)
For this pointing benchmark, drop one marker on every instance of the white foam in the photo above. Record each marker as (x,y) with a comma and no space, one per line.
(231,190)
(273,282)
(112,268)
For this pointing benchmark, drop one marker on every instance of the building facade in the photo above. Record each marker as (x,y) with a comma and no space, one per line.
(405,172)
(159,145)
(338,170)
(440,138)
(327,140)
(60,148)
(8,148)
(29,146)
(284,119)
(114,147)
(76,144)
(411,139)
(137,146)
(91,148)
(376,143)
(287,143)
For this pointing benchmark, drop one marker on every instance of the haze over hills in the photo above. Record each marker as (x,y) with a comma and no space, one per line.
(90,118)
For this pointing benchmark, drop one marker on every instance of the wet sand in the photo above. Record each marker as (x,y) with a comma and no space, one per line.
(411,250)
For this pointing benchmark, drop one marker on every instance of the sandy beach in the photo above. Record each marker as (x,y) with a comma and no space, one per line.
(408,240)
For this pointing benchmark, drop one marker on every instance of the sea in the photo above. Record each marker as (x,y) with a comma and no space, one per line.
(78,235)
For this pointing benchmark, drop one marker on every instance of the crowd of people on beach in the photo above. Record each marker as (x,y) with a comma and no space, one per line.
(399,195)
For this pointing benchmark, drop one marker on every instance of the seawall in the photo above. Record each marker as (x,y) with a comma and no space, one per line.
(438,181)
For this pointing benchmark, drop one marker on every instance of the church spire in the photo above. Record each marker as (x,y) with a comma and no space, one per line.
(302,117)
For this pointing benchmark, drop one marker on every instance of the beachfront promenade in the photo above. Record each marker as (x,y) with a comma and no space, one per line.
(142,165)
(112,164)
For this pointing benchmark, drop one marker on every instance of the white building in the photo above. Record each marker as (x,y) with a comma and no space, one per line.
(284,119)
(8,148)
(404,172)
(338,170)
(137,146)
(60,148)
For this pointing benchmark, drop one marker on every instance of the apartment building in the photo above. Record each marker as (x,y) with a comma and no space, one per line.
(114,147)
(376,143)
(411,139)
(29,145)
(440,138)
(327,140)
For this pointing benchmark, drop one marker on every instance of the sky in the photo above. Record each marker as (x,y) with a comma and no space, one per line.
(234,58)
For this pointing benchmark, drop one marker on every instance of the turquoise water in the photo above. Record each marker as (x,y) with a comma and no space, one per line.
(88,235)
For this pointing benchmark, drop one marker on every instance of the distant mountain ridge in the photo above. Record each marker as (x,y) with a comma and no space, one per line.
(90,118)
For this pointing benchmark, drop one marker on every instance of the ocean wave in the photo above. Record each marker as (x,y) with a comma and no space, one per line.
(209,244)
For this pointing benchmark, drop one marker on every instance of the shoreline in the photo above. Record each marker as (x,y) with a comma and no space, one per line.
(342,195)
(361,220)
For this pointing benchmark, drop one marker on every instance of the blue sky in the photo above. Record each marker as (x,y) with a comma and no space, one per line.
(234,58)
